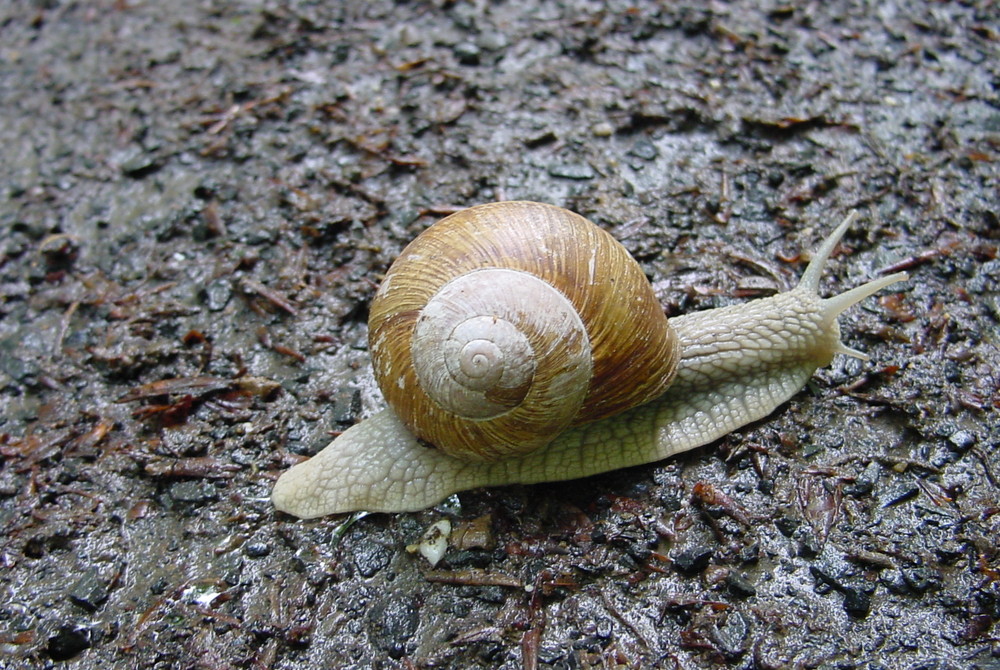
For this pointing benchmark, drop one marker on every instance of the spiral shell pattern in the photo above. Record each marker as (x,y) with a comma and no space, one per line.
(504,324)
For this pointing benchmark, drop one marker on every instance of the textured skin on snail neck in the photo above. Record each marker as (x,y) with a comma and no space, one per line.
(738,364)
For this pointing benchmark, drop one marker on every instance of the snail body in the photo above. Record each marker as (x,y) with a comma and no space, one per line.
(574,297)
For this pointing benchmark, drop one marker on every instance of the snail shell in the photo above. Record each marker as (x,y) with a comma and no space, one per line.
(504,324)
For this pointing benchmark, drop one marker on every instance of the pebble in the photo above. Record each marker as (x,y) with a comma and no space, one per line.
(739,585)
(810,546)
(732,637)
(89,591)
(217,294)
(541,138)
(787,525)
(467,53)
(394,621)
(469,558)
(644,149)
(578,171)
(495,595)
(492,41)
(68,643)
(603,129)
(865,482)
(857,603)
(139,164)
(370,558)
(194,491)
(257,549)
(963,440)
(692,560)
(949,552)
(922,579)
(346,405)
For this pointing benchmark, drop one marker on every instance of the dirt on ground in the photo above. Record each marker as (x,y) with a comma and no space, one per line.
(199,199)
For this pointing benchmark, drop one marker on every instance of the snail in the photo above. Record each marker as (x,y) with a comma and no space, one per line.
(526,345)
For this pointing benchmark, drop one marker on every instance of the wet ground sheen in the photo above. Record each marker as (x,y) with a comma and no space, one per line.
(198,200)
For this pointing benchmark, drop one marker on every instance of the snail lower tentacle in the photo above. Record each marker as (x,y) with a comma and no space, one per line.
(736,365)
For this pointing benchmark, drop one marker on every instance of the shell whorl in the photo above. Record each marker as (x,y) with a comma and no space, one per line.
(504,324)
(481,339)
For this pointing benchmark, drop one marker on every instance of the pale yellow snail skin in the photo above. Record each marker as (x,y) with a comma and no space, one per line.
(735,365)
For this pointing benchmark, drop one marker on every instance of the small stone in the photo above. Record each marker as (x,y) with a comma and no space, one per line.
(10,485)
(89,591)
(786,525)
(589,643)
(603,129)
(638,551)
(550,654)
(578,171)
(469,558)
(467,53)
(68,642)
(257,549)
(921,580)
(19,368)
(739,585)
(492,40)
(670,501)
(644,149)
(394,621)
(811,448)
(495,595)
(810,546)
(949,552)
(750,553)
(732,636)
(217,294)
(370,558)
(893,581)
(857,603)
(963,440)
(140,164)
(257,235)
(194,491)
(346,405)
(159,587)
(865,482)
(539,139)
(825,580)
(692,560)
